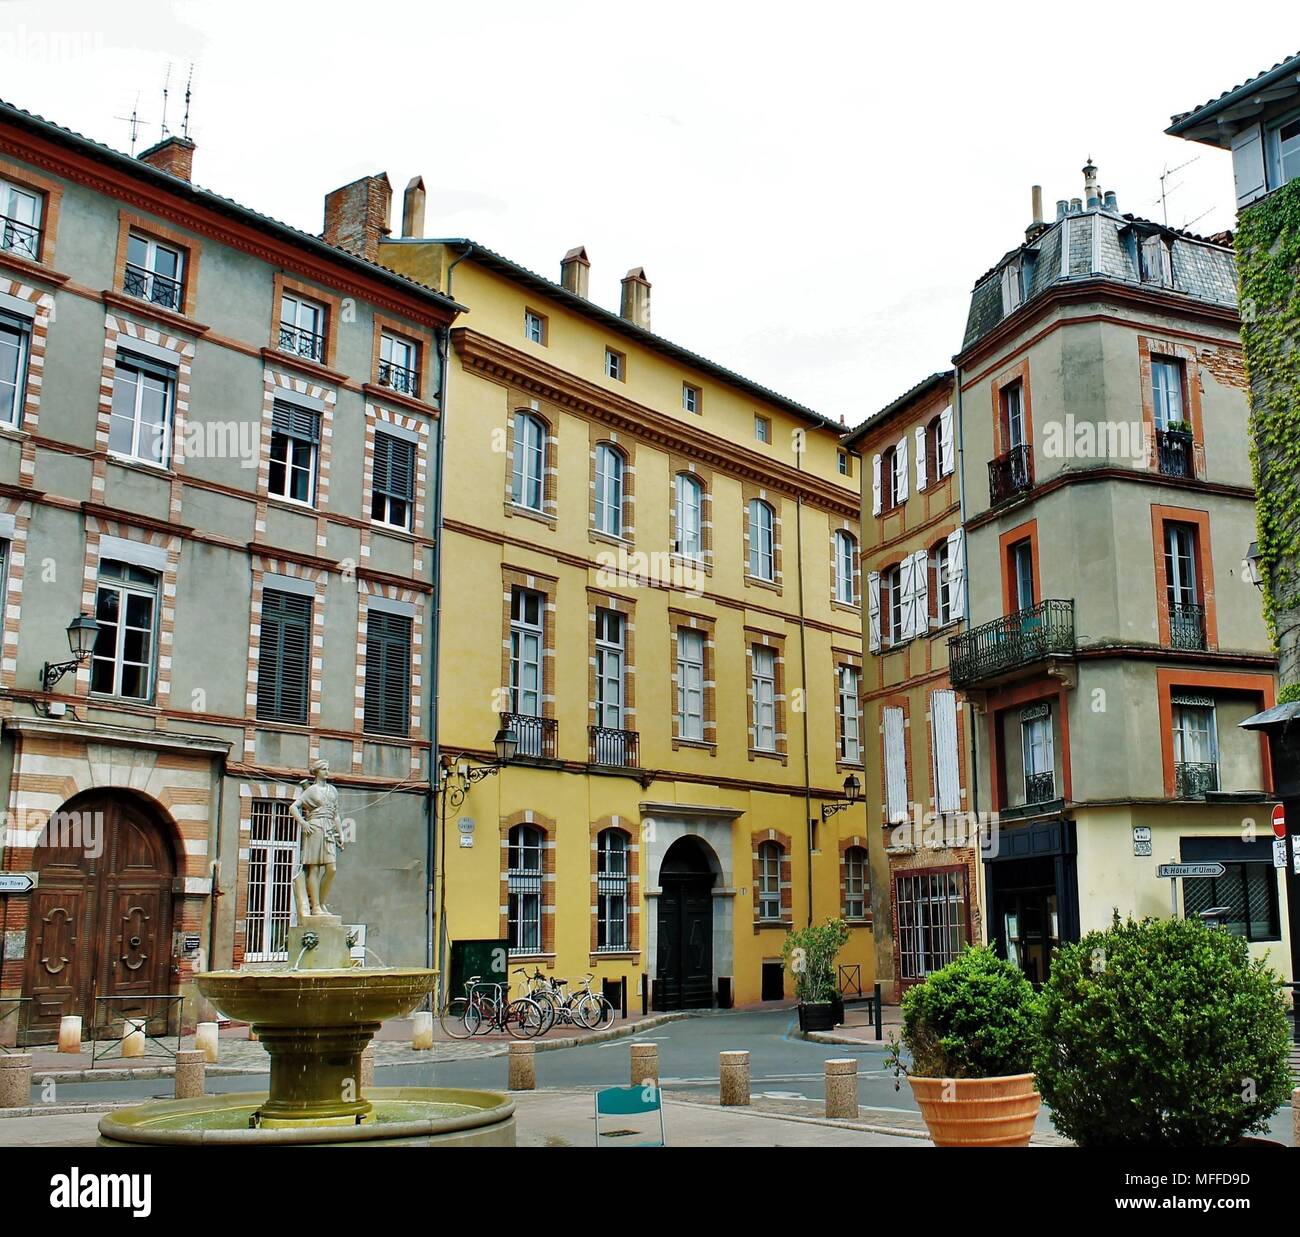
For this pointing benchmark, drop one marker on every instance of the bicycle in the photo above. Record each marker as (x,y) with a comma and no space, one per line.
(594,1008)
(486,1007)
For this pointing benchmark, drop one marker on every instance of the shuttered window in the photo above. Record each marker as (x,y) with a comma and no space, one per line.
(388,673)
(295,452)
(393,482)
(947,775)
(895,765)
(284,657)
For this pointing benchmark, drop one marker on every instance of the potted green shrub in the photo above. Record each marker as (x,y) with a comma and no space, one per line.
(809,954)
(1161,1033)
(969,1031)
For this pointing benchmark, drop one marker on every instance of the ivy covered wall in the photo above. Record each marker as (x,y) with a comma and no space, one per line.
(1268,258)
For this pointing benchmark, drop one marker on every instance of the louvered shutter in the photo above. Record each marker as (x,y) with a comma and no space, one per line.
(907,586)
(947,463)
(873,611)
(295,422)
(921,587)
(957,573)
(875,485)
(895,766)
(393,478)
(947,769)
(284,657)
(900,471)
(388,673)
(920,458)
(1248,164)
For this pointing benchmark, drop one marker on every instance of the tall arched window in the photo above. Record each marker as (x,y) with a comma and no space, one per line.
(527,487)
(524,883)
(609,490)
(689,516)
(769,880)
(611,890)
(846,561)
(762,556)
(855,883)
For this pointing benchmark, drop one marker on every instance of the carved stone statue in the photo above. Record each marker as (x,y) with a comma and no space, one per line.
(316,809)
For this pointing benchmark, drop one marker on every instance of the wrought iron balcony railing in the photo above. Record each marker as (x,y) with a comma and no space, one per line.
(20,238)
(536,735)
(150,286)
(1014,640)
(1174,453)
(302,342)
(1011,473)
(1040,787)
(399,378)
(1187,627)
(618,749)
(1193,779)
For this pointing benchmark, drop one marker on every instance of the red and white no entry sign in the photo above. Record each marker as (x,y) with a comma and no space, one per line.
(1279,821)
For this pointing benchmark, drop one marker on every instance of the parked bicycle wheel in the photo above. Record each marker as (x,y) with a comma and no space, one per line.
(594,1011)
(481,1016)
(524,1018)
(550,1008)
(452,1018)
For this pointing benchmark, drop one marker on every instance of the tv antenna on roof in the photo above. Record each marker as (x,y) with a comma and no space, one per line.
(185,123)
(167,77)
(133,122)
(1165,190)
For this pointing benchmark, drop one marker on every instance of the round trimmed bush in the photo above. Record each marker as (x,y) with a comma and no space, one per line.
(974,1018)
(1161,1033)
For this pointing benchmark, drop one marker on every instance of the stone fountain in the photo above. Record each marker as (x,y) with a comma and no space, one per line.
(315,1017)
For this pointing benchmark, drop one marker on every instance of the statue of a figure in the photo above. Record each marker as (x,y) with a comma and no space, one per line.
(316,809)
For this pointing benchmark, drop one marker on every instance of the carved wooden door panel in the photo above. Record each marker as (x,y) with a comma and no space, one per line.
(58,953)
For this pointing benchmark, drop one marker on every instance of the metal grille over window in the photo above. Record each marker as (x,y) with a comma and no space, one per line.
(388,673)
(272,860)
(393,482)
(524,884)
(611,890)
(931,921)
(284,657)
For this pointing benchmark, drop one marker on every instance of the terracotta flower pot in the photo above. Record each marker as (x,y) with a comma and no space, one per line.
(978,1112)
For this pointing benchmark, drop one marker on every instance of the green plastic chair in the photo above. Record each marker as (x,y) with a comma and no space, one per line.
(629,1102)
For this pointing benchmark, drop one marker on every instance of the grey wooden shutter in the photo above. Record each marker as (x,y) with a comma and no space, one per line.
(284,657)
(388,673)
(1248,164)
(295,422)
(393,475)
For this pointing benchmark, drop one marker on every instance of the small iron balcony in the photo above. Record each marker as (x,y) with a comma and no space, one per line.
(536,735)
(301,342)
(1011,473)
(1187,627)
(150,286)
(399,378)
(1192,780)
(1174,453)
(1011,642)
(1040,787)
(20,238)
(617,749)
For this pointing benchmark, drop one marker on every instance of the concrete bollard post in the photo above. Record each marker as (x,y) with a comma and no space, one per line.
(645,1064)
(16,1080)
(368,1066)
(422,1030)
(70,1033)
(205,1041)
(733,1071)
(842,1089)
(133,1044)
(523,1067)
(190,1065)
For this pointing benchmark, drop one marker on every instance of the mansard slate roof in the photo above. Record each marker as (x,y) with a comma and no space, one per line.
(1101,244)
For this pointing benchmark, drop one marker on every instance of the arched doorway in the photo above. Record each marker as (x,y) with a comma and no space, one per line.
(684,967)
(101,916)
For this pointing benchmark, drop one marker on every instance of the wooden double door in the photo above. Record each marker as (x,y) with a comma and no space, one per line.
(101,915)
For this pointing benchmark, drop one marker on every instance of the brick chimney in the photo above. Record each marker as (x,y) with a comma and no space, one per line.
(173,154)
(356,216)
(413,207)
(575,271)
(635,302)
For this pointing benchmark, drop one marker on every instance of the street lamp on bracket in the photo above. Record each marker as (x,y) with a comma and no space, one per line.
(852,793)
(82,632)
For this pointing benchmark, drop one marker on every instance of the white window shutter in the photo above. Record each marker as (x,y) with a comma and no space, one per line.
(947,464)
(921,586)
(873,609)
(947,761)
(1248,164)
(875,485)
(907,586)
(920,458)
(900,469)
(957,573)
(895,765)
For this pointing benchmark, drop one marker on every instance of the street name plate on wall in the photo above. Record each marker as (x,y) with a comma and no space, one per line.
(465,824)
(18,882)
(1141,849)
(1142,841)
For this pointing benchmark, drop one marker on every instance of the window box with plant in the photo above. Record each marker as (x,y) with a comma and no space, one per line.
(809,954)
(969,1031)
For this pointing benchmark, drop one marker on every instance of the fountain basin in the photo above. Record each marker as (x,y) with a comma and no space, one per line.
(399,1117)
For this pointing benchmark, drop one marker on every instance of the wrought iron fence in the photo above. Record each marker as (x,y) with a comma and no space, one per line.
(156,1016)
(1018,639)
(536,735)
(302,342)
(19,237)
(1193,779)
(1174,453)
(150,286)
(399,378)
(620,749)
(1011,473)
(1040,787)
(1187,627)
(18,1010)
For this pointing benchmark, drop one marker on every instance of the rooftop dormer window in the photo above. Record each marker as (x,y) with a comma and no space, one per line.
(1155,255)
(1013,292)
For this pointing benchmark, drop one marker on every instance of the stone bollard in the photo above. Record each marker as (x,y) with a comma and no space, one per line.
(368,1066)
(842,1089)
(133,1044)
(645,1064)
(189,1074)
(16,1080)
(205,1041)
(1295,1117)
(422,1030)
(70,1033)
(733,1070)
(523,1067)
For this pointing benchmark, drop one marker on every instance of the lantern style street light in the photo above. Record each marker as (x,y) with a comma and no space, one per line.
(81,641)
(852,792)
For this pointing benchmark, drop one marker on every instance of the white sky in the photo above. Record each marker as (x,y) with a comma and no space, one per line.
(812,189)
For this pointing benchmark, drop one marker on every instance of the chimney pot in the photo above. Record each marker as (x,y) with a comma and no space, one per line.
(413,207)
(356,216)
(1036,195)
(635,302)
(1062,209)
(1091,193)
(173,154)
(1112,202)
(575,271)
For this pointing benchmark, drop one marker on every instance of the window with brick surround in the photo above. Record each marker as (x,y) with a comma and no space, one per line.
(284,657)
(1167,378)
(850,715)
(846,568)
(855,882)
(689,510)
(527,636)
(155,271)
(528,485)
(763,690)
(144,398)
(762,534)
(524,877)
(295,453)
(611,891)
(690,683)
(126,605)
(932,920)
(272,861)
(399,364)
(302,327)
(20,221)
(392,499)
(15,341)
(387,673)
(610,464)
(770,855)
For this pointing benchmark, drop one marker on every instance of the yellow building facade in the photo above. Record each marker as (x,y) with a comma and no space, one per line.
(652,580)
